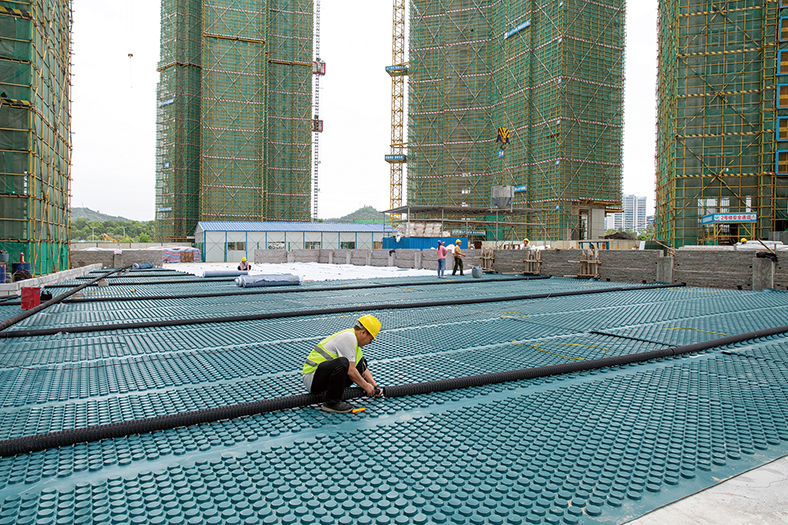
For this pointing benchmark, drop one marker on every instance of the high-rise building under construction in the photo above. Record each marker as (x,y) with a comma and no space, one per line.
(522,93)
(722,121)
(35,132)
(234,116)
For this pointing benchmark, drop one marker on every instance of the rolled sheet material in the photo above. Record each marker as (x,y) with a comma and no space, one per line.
(263,279)
(224,273)
(142,265)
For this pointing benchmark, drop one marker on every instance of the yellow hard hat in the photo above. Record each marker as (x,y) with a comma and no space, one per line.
(743,239)
(243,258)
(457,241)
(370,324)
(525,240)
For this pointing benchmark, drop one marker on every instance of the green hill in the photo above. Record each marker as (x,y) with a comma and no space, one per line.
(90,215)
(367,213)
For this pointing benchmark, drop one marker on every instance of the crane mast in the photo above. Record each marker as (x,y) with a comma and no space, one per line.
(318,70)
(398,70)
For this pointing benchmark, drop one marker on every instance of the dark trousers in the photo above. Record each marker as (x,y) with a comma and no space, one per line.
(457,264)
(331,378)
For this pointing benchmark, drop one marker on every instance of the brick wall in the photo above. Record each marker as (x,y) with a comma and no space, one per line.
(359,257)
(714,269)
(781,271)
(557,263)
(629,266)
(407,258)
(509,261)
(270,256)
(81,258)
(305,256)
(380,258)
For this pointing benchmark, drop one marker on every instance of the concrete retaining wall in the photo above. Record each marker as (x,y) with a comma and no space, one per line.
(714,269)
(113,259)
(510,261)
(304,256)
(342,256)
(558,263)
(360,257)
(781,272)
(81,258)
(407,258)
(381,258)
(270,256)
(629,266)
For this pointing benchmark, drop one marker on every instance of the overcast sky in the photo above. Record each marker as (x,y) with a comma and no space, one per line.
(114,105)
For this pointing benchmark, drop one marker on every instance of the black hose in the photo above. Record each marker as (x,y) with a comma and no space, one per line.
(319,311)
(168,281)
(63,438)
(27,313)
(293,289)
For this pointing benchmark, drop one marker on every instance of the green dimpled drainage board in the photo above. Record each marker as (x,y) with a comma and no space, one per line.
(601,446)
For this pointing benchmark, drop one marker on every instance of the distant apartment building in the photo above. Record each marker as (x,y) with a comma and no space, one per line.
(633,217)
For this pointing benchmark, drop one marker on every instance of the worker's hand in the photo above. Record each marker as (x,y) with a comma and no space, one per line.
(378,391)
(369,389)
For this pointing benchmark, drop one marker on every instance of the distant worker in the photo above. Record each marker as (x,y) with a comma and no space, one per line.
(743,240)
(457,258)
(442,251)
(337,362)
(525,243)
(244,266)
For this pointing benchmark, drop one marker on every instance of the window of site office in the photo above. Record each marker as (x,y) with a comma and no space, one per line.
(782,63)
(784,29)
(783,3)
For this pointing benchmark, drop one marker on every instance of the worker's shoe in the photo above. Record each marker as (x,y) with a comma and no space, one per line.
(340,407)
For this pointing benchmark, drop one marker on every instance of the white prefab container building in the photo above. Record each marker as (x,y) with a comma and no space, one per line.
(223,241)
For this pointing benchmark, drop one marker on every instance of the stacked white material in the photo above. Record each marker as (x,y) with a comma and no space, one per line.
(265,279)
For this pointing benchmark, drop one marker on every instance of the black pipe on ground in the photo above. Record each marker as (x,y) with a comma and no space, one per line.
(163,281)
(321,311)
(63,438)
(27,313)
(294,289)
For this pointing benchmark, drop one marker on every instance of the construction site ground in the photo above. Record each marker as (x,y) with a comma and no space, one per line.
(696,438)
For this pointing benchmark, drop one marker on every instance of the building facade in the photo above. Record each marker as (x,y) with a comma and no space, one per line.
(523,94)
(722,121)
(35,132)
(223,241)
(234,116)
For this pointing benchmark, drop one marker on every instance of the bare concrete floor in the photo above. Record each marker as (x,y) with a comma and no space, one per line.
(759,496)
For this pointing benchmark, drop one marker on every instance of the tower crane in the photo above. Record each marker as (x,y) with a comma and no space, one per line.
(398,70)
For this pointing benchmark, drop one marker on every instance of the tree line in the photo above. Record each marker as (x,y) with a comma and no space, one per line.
(122,231)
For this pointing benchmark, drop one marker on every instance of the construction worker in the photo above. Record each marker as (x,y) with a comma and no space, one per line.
(442,251)
(244,266)
(337,362)
(525,243)
(457,257)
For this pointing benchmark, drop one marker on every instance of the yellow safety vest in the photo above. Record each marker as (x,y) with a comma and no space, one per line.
(320,354)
